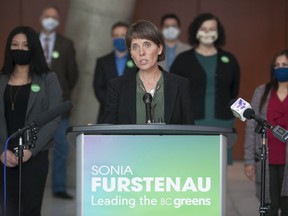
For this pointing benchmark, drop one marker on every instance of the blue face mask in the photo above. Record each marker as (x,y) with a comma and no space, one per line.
(119,44)
(281,74)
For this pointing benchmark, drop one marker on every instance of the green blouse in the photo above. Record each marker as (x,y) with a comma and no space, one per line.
(157,101)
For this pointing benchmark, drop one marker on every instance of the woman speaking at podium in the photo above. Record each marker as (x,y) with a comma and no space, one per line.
(170,94)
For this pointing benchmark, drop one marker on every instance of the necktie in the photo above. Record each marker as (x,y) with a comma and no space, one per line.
(46,48)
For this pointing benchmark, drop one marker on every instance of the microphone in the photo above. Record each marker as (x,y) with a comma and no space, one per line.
(250,114)
(277,131)
(147,99)
(280,133)
(238,108)
(242,110)
(45,117)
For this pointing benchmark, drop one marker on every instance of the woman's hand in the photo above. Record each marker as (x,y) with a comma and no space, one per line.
(11,159)
(27,154)
(250,171)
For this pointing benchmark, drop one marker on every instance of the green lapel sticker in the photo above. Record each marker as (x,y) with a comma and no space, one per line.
(55,54)
(130,64)
(35,88)
(225,59)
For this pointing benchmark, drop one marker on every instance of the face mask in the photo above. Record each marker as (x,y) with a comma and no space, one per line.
(171,33)
(207,38)
(49,24)
(21,57)
(119,44)
(281,74)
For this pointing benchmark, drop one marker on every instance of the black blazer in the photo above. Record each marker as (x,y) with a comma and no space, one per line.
(121,100)
(64,64)
(106,70)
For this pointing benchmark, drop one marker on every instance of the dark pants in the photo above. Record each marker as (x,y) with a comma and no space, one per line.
(34,173)
(276,173)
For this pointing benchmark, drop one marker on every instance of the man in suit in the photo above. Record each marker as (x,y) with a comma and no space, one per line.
(170,25)
(60,56)
(116,63)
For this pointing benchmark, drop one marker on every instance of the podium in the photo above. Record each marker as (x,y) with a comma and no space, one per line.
(140,170)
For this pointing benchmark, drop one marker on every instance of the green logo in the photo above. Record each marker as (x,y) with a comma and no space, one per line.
(35,88)
(225,59)
(55,54)
(130,64)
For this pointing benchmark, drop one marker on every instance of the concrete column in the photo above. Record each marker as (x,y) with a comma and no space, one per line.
(89,25)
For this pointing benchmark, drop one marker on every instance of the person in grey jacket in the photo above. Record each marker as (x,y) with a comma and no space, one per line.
(60,55)
(27,89)
(171,30)
(270,101)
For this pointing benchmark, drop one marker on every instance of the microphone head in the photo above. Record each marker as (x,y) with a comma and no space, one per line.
(249,113)
(147,98)
(238,108)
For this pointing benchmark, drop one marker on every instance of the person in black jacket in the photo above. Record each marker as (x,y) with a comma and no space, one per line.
(214,73)
(171,100)
(27,90)
(115,64)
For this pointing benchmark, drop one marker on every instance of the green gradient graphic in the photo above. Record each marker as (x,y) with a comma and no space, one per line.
(163,157)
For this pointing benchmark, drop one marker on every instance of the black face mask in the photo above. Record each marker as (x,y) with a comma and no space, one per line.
(21,57)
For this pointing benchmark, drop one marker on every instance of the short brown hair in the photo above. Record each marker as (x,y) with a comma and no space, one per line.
(51,7)
(144,29)
(119,24)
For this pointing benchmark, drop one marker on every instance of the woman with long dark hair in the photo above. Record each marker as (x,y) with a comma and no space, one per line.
(27,89)
(270,101)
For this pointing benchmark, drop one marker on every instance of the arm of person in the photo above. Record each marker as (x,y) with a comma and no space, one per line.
(112,102)
(236,78)
(54,96)
(249,171)
(187,106)
(99,82)
(72,68)
(250,144)
(176,67)
(11,158)
(280,118)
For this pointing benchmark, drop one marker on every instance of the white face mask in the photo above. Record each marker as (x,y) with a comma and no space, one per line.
(49,24)
(207,38)
(171,33)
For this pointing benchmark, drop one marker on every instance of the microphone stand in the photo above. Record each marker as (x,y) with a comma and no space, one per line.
(29,142)
(261,128)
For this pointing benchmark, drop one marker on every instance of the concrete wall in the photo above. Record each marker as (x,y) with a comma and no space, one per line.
(89,25)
